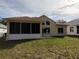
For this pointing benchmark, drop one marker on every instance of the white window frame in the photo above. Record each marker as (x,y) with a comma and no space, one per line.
(71,29)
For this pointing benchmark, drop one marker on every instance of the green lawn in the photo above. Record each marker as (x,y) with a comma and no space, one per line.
(52,48)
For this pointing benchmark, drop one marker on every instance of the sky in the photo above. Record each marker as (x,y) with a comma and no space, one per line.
(54,9)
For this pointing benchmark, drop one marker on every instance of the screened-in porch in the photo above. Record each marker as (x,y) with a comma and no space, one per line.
(24,28)
(19,30)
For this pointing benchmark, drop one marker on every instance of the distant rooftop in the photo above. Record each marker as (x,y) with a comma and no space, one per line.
(74,22)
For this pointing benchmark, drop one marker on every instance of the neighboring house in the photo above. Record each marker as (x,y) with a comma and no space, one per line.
(3,29)
(33,27)
(73,27)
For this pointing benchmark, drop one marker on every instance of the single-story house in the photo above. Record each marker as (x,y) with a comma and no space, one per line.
(33,27)
(73,27)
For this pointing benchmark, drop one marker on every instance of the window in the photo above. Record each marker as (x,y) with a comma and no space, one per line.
(14,28)
(60,30)
(47,23)
(43,23)
(25,28)
(35,28)
(46,30)
(77,29)
(71,29)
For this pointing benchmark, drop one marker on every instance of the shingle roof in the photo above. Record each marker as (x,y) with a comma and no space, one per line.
(74,22)
(60,23)
(28,18)
(47,17)
(22,17)
(31,18)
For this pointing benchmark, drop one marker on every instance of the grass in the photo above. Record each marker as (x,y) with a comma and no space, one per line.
(51,48)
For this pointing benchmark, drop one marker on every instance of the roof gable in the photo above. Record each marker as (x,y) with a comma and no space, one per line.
(29,18)
(45,17)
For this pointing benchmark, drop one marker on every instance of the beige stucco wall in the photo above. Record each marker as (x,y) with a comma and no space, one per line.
(54,27)
(51,26)
(64,30)
(74,32)
(7,31)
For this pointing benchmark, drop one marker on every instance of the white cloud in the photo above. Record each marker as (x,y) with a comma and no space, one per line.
(9,12)
(39,7)
(50,6)
(6,9)
(70,11)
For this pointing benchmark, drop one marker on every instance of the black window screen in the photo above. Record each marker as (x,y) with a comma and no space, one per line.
(14,28)
(60,30)
(35,28)
(47,23)
(25,28)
